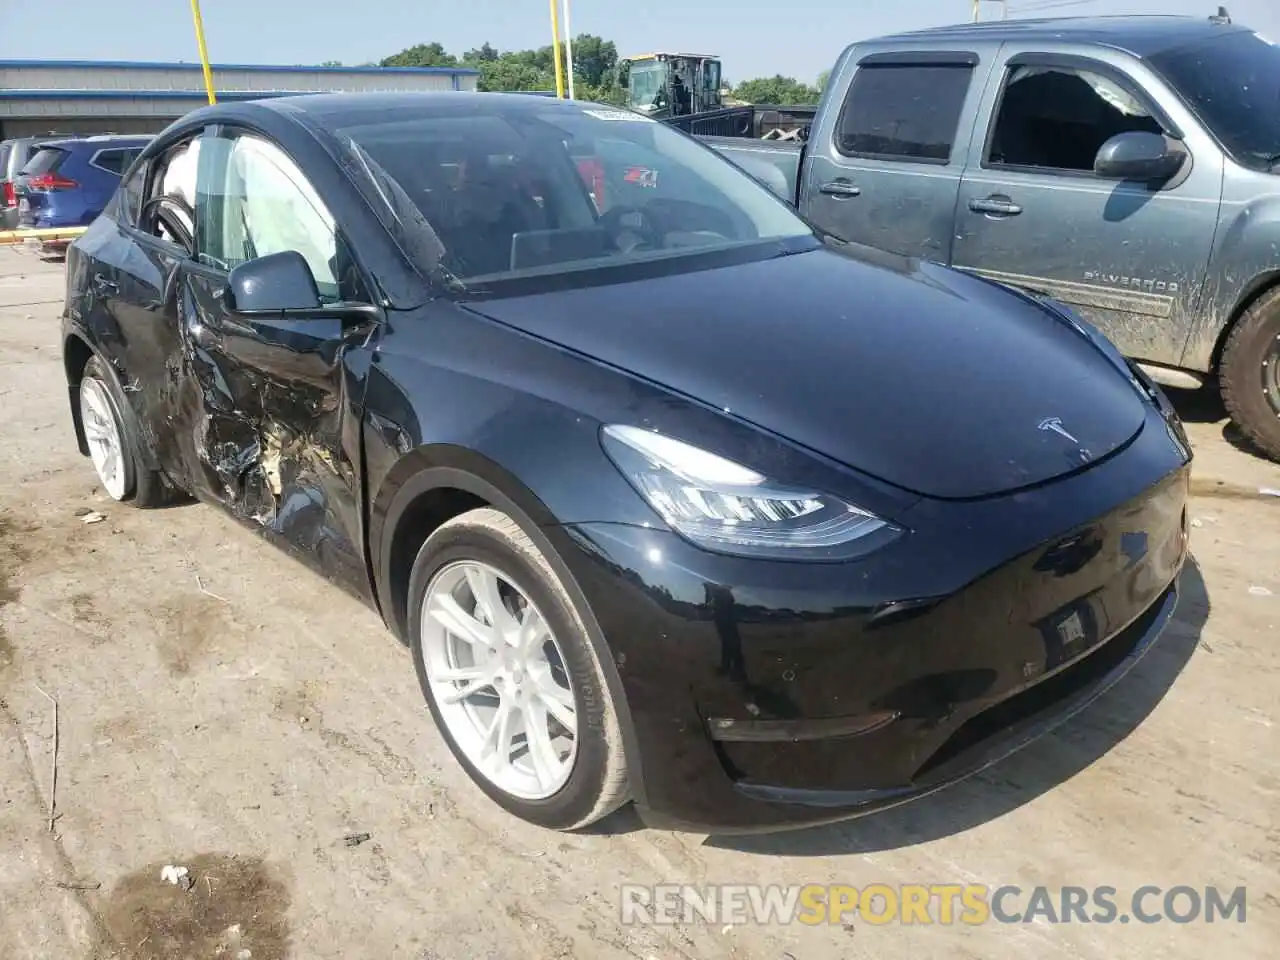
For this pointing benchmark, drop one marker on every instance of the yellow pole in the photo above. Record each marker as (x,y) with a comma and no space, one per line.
(204,51)
(975,11)
(555,48)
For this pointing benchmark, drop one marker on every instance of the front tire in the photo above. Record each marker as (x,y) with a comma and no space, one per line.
(1250,374)
(112,442)
(510,675)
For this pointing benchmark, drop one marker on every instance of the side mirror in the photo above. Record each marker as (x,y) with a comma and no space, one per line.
(1137,155)
(275,284)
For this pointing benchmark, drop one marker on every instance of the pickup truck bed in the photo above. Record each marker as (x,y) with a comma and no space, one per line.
(776,163)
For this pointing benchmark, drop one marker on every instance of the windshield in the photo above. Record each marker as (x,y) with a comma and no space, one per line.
(645,85)
(494,196)
(1232,83)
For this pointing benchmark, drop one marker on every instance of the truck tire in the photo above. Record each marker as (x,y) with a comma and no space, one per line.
(1249,375)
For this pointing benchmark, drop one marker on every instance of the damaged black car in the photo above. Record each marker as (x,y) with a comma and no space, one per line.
(673,498)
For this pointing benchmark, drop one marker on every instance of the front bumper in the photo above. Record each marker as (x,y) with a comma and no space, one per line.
(771,694)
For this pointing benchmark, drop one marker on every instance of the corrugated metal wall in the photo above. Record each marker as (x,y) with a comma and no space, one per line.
(79,126)
(48,96)
(84,75)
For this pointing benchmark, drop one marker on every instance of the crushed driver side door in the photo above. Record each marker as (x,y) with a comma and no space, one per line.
(276,428)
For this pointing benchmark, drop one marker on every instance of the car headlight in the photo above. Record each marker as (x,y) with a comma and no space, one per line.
(723,506)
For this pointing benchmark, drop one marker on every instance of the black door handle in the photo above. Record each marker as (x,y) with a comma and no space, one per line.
(840,188)
(103,285)
(996,204)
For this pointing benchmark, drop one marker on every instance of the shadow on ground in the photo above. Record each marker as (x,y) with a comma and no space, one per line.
(1197,406)
(1205,406)
(1019,779)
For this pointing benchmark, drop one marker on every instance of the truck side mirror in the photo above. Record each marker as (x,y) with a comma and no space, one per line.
(1137,155)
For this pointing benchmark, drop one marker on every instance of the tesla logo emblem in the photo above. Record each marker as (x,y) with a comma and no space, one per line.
(1055,425)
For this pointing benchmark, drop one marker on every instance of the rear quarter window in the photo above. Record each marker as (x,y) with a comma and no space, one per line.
(113,161)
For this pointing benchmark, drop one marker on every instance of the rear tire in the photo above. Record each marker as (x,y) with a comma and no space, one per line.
(590,776)
(113,445)
(1250,374)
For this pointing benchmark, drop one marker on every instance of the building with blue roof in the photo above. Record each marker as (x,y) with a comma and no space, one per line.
(82,97)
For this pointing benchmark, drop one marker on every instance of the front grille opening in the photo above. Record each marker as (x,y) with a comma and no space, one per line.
(1061,686)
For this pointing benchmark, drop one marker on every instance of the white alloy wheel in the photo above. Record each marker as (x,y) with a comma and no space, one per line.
(105,437)
(499,680)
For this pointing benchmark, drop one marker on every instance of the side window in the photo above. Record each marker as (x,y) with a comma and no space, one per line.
(906,112)
(1056,118)
(173,178)
(259,203)
(112,161)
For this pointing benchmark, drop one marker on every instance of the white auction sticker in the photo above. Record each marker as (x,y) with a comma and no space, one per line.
(621,115)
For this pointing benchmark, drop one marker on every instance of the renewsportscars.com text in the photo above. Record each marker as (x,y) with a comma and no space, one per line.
(944,904)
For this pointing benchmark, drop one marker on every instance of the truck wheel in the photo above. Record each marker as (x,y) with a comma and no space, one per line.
(1250,374)
(510,675)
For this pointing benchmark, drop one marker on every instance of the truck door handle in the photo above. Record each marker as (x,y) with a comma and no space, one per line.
(103,285)
(996,204)
(840,188)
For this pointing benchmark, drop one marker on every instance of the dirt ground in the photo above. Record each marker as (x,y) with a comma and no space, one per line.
(221,708)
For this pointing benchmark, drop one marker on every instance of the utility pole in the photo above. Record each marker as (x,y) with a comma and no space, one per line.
(568,48)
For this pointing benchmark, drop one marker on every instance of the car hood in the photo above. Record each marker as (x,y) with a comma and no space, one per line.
(924,377)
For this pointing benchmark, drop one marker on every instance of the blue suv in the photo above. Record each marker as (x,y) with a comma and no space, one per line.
(67,183)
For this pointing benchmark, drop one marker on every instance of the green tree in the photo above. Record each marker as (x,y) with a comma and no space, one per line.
(595,61)
(776,90)
(330,63)
(505,74)
(823,79)
(484,54)
(422,55)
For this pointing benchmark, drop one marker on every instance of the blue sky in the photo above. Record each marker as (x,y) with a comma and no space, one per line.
(795,37)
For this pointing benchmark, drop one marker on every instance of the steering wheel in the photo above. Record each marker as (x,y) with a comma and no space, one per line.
(631,229)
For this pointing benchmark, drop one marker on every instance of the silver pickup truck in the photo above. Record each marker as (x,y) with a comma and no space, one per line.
(1127,166)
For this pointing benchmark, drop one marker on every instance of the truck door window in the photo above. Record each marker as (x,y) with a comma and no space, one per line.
(903,111)
(1057,117)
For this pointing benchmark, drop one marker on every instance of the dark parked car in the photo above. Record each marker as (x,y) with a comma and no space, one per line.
(14,155)
(672,498)
(67,183)
(1127,166)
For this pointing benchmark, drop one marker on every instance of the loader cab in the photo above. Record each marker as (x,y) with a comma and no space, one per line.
(672,84)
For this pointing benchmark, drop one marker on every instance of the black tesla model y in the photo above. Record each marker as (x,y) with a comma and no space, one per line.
(673,498)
